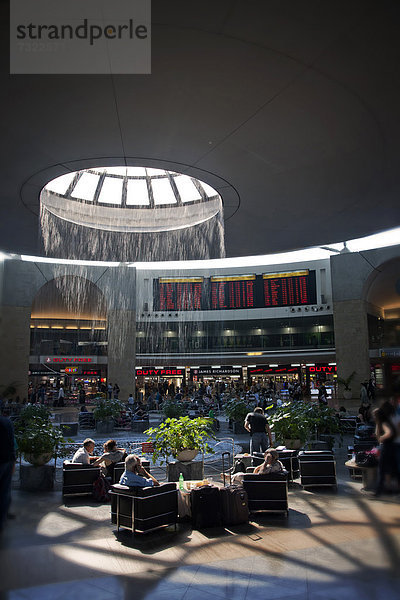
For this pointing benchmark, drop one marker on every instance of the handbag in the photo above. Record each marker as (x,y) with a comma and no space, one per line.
(367,458)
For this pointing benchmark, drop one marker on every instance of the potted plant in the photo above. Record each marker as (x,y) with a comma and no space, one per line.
(289,425)
(345,382)
(323,423)
(236,410)
(175,436)
(37,439)
(172,409)
(105,413)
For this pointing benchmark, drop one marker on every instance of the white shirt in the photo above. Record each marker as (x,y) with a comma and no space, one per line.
(81,456)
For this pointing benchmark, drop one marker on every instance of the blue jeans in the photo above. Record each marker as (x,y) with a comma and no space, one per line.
(258,442)
(6,471)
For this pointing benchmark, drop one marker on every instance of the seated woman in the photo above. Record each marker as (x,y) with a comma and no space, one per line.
(135,475)
(110,457)
(271,464)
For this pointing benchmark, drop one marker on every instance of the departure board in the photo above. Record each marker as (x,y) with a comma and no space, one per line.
(232,292)
(289,289)
(179,293)
(269,290)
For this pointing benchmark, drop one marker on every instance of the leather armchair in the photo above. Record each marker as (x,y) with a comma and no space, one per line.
(317,468)
(144,509)
(267,493)
(78,479)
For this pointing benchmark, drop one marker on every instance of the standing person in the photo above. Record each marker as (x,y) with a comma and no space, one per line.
(7,462)
(322,395)
(110,390)
(61,396)
(385,434)
(116,390)
(257,425)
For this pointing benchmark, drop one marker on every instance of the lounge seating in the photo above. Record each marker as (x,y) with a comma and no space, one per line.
(288,458)
(78,479)
(116,470)
(317,468)
(267,493)
(144,509)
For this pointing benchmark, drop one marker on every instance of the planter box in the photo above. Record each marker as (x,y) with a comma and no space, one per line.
(105,426)
(190,470)
(37,479)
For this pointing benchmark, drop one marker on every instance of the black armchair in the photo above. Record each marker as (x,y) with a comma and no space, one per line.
(78,479)
(144,509)
(267,492)
(317,468)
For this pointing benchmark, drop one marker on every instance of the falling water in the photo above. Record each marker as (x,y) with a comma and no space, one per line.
(67,240)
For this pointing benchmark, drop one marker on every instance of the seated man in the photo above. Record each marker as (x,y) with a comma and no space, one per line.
(110,457)
(135,475)
(82,455)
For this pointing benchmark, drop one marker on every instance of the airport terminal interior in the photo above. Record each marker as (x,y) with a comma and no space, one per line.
(226,227)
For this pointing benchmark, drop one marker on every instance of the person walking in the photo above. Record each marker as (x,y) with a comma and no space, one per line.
(257,425)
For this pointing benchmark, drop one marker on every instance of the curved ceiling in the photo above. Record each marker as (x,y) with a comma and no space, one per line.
(290,110)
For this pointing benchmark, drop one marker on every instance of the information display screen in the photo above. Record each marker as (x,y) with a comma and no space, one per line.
(230,292)
(289,289)
(179,293)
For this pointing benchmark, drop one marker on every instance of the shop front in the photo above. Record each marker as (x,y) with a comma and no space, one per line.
(215,376)
(163,379)
(275,377)
(82,378)
(321,374)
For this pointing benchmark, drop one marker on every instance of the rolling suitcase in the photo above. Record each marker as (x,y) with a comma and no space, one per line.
(206,507)
(234,501)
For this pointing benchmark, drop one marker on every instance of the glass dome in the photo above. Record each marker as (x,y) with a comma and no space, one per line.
(131,199)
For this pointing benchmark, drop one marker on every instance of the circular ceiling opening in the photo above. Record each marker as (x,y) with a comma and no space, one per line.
(131,199)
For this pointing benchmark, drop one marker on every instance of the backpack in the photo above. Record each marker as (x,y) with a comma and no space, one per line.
(101,489)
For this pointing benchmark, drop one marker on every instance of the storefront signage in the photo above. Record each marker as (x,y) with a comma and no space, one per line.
(322,369)
(390,352)
(91,372)
(71,370)
(42,373)
(67,359)
(267,370)
(165,372)
(202,371)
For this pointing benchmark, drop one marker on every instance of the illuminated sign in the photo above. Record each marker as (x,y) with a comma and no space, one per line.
(165,372)
(91,372)
(322,369)
(71,370)
(179,293)
(232,292)
(235,292)
(267,370)
(201,371)
(67,359)
(289,289)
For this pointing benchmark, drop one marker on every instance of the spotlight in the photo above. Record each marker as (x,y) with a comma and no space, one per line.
(306,308)
(292,310)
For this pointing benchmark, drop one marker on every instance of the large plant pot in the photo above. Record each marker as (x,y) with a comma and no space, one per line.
(37,478)
(106,426)
(187,455)
(347,394)
(293,444)
(37,460)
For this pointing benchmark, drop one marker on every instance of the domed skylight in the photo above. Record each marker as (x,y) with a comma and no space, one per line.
(147,199)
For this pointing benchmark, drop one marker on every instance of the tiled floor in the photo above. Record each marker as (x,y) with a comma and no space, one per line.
(340,545)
